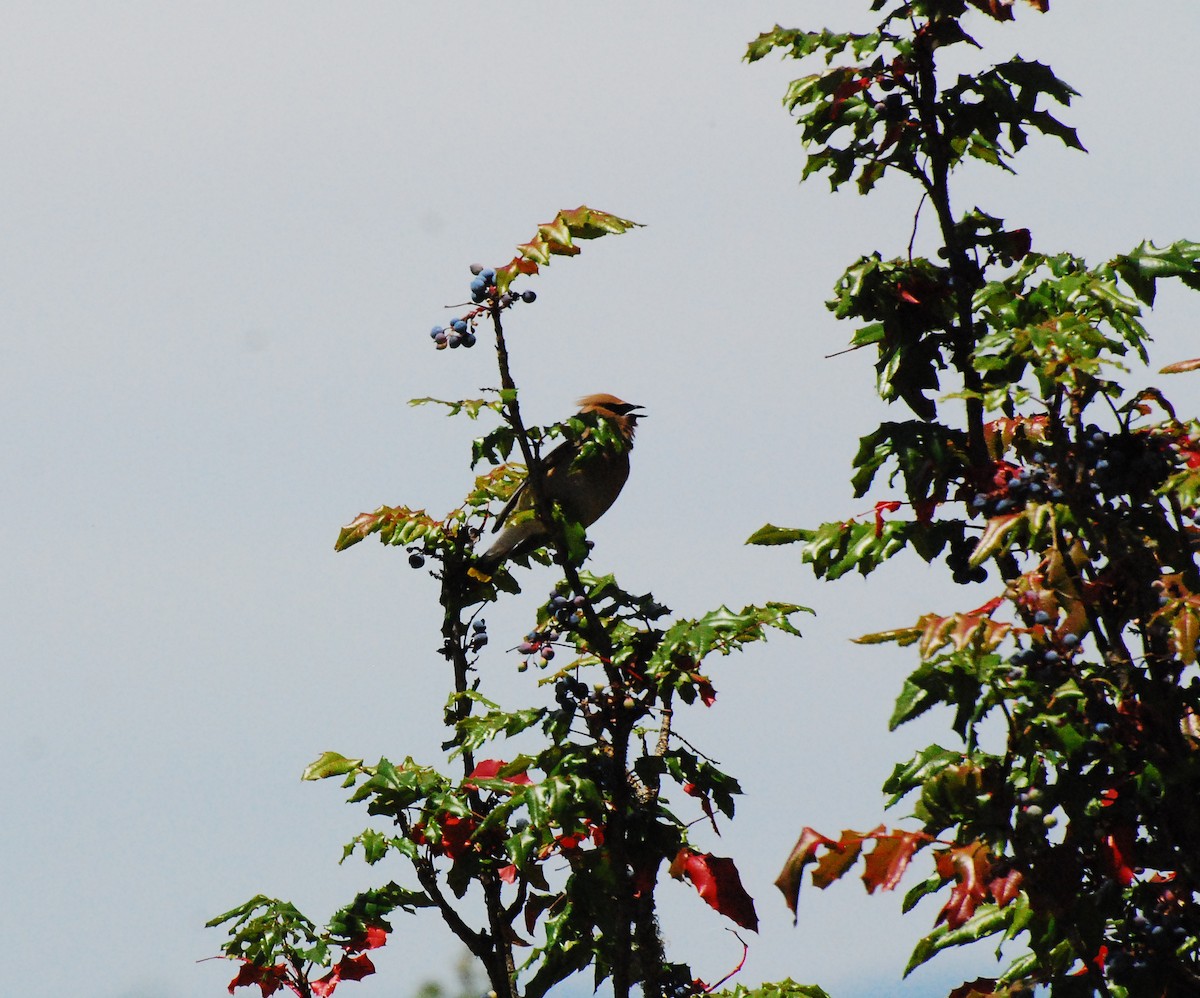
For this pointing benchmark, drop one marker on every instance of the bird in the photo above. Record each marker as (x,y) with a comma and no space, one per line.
(584,488)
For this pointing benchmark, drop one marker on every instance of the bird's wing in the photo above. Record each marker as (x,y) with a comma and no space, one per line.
(562,454)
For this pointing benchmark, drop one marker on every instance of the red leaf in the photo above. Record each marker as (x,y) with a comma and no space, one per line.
(489,769)
(355,968)
(376,937)
(456,834)
(969,865)
(717,882)
(924,508)
(975,989)
(838,860)
(1019,243)
(269,979)
(1005,888)
(880,509)
(692,790)
(323,987)
(1117,851)
(508,874)
(886,863)
(803,853)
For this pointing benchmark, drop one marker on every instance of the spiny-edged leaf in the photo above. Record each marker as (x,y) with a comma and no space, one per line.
(397,525)
(717,881)
(770,534)
(266,931)
(557,238)
(987,920)
(834,549)
(997,534)
(688,641)
(836,861)
(803,853)
(798,44)
(370,909)
(886,863)
(330,764)
(390,788)
(1146,263)
(787,988)
(920,450)
(475,730)
(472,407)
(923,766)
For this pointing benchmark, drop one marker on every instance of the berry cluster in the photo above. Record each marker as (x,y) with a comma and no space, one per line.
(1121,463)
(1012,486)
(1152,937)
(1032,810)
(479,636)
(461,332)
(958,560)
(566,611)
(570,693)
(538,643)
(1039,662)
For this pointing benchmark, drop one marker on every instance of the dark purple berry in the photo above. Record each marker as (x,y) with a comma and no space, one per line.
(416,559)
(528,296)
(433,333)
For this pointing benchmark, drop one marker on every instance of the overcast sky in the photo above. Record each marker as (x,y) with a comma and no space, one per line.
(227,230)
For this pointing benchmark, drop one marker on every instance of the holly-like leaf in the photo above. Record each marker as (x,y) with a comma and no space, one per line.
(886,863)
(397,525)
(330,764)
(803,853)
(716,880)
(557,238)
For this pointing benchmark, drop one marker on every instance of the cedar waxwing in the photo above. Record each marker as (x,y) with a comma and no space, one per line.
(584,489)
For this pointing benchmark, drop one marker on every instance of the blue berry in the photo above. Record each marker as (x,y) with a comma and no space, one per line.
(479,625)
(1042,617)
(1102,465)
(433,333)
(528,296)
(1070,640)
(1102,728)
(488,275)
(454,339)
(1051,656)
(459,325)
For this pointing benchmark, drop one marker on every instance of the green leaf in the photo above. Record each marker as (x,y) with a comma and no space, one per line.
(987,920)
(770,534)
(330,764)
(787,988)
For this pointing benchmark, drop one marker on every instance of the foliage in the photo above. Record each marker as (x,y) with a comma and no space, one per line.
(1063,812)
(558,850)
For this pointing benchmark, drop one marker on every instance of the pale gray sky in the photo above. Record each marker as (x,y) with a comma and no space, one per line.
(228,228)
